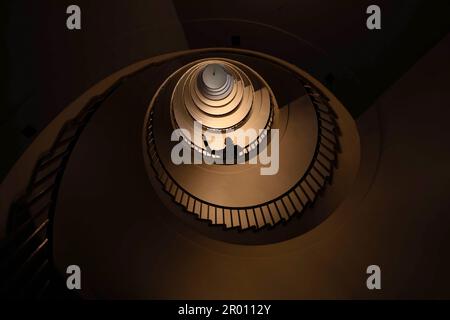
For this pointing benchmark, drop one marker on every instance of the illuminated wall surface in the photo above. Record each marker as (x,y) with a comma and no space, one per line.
(225,150)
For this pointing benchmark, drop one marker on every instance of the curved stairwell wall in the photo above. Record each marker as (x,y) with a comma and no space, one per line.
(394,215)
(388,217)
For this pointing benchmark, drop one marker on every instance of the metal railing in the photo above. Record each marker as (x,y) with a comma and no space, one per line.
(26,263)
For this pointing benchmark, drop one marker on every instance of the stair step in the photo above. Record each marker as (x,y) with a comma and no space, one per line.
(64,142)
(16,281)
(235,218)
(327,153)
(317,177)
(318,98)
(212,214)
(178,196)
(308,191)
(173,190)
(328,144)
(185,200)
(54,158)
(329,136)
(197,208)
(204,211)
(168,184)
(328,126)
(191,204)
(243,219)
(323,107)
(40,193)
(251,218)
(259,217)
(321,169)
(274,213)
(296,201)
(219,216)
(45,176)
(266,215)
(314,186)
(302,196)
(289,206)
(326,117)
(324,162)
(282,210)
(227,215)
(20,249)
(19,234)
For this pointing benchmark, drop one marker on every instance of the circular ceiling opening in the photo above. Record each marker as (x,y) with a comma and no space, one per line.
(203,107)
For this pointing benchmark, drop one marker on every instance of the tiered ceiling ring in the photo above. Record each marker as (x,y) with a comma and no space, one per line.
(222,97)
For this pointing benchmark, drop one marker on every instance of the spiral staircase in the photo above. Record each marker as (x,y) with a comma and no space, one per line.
(26,257)
(27,262)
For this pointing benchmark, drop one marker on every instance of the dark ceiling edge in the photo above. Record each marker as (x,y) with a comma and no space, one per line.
(395,56)
(428,26)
